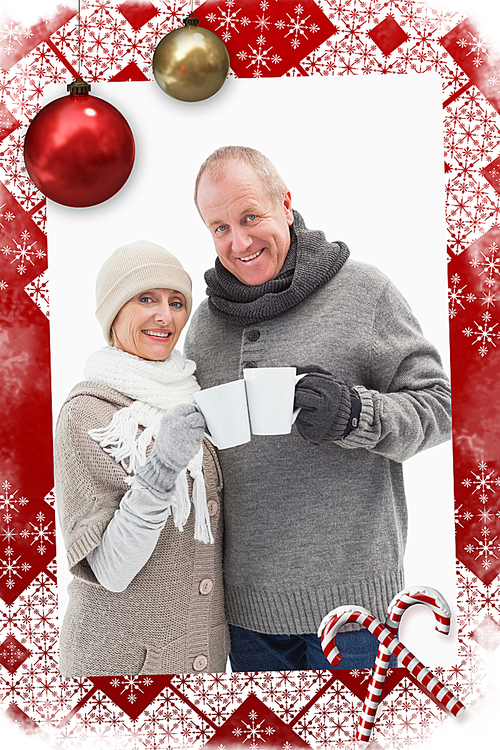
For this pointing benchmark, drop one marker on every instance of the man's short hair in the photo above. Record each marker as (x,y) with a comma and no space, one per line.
(217,161)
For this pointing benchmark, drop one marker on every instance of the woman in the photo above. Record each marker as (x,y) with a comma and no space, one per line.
(138,494)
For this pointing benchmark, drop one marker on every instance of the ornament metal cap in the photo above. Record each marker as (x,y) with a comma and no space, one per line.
(78,87)
(191,21)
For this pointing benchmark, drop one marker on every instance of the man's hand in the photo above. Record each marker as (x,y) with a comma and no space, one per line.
(329,410)
(178,441)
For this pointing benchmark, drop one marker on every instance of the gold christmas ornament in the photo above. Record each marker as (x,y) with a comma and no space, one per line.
(190,63)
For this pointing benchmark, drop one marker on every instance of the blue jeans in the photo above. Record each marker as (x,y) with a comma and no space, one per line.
(259,652)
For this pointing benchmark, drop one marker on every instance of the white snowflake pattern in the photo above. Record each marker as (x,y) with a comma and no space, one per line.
(24,252)
(478,47)
(466,516)
(262,23)
(10,33)
(6,216)
(8,499)
(253,731)
(485,549)
(227,20)
(3,285)
(490,263)
(259,58)
(483,482)
(485,334)
(132,685)
(456,296)
(297,26)
(489,298)
(41,533)
(11,568)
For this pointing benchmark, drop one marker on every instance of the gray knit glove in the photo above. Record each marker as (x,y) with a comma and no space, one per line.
(329,410)
(178,441)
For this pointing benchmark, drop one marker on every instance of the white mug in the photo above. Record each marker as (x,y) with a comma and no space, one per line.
(225,410)
(270,396)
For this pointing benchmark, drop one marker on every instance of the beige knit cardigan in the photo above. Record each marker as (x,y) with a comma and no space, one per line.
(170,619)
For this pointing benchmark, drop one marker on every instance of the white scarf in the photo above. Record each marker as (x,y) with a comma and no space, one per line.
(156,387)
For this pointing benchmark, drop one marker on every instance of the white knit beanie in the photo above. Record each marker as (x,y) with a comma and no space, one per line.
(132,269)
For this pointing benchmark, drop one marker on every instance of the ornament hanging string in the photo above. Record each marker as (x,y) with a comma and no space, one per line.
(79,39)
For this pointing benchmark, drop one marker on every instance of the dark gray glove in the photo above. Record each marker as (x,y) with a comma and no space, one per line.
(178,441)
(329,410)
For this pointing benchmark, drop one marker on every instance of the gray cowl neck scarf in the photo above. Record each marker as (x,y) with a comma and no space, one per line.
(311,261)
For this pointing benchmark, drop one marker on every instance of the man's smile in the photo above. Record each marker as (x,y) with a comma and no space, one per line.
(251,257)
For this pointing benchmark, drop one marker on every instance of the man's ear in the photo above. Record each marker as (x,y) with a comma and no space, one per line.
(287,205)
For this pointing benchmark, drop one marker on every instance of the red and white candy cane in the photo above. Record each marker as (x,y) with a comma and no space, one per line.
(406,598)
(334,620)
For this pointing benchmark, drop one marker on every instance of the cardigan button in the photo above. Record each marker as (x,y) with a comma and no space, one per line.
(206,586)
(253,335)
(213,507)
(200,662)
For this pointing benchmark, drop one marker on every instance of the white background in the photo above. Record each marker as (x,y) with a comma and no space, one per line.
(371,175)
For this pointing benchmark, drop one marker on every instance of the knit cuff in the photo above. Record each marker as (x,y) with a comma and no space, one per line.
(355,412)
(366,434)
(157,477)
(83,541)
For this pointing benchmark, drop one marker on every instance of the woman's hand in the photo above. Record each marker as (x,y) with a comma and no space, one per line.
(180,436)
(178,441)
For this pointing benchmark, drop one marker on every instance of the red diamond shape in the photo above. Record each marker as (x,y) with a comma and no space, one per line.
(137,12)
(388,35)
(266,39)
(130,72)
(134,693)
(30,729)
(492,174)
(254,723)
(33,546)
(12,654)
(477,57)
(23,721)
(487,634)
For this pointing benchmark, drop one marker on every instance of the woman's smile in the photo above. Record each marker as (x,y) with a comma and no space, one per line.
(158,334)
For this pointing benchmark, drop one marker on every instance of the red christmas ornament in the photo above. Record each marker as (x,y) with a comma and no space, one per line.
(79,150)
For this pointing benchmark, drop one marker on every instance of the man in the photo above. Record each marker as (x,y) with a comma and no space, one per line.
(317,518)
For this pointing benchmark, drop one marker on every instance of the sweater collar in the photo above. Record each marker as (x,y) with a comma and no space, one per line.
(311,261)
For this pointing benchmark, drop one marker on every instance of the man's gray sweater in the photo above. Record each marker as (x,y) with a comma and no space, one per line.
(311,527)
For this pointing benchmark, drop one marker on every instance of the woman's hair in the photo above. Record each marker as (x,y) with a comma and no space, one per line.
(217,165)
(112,335)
